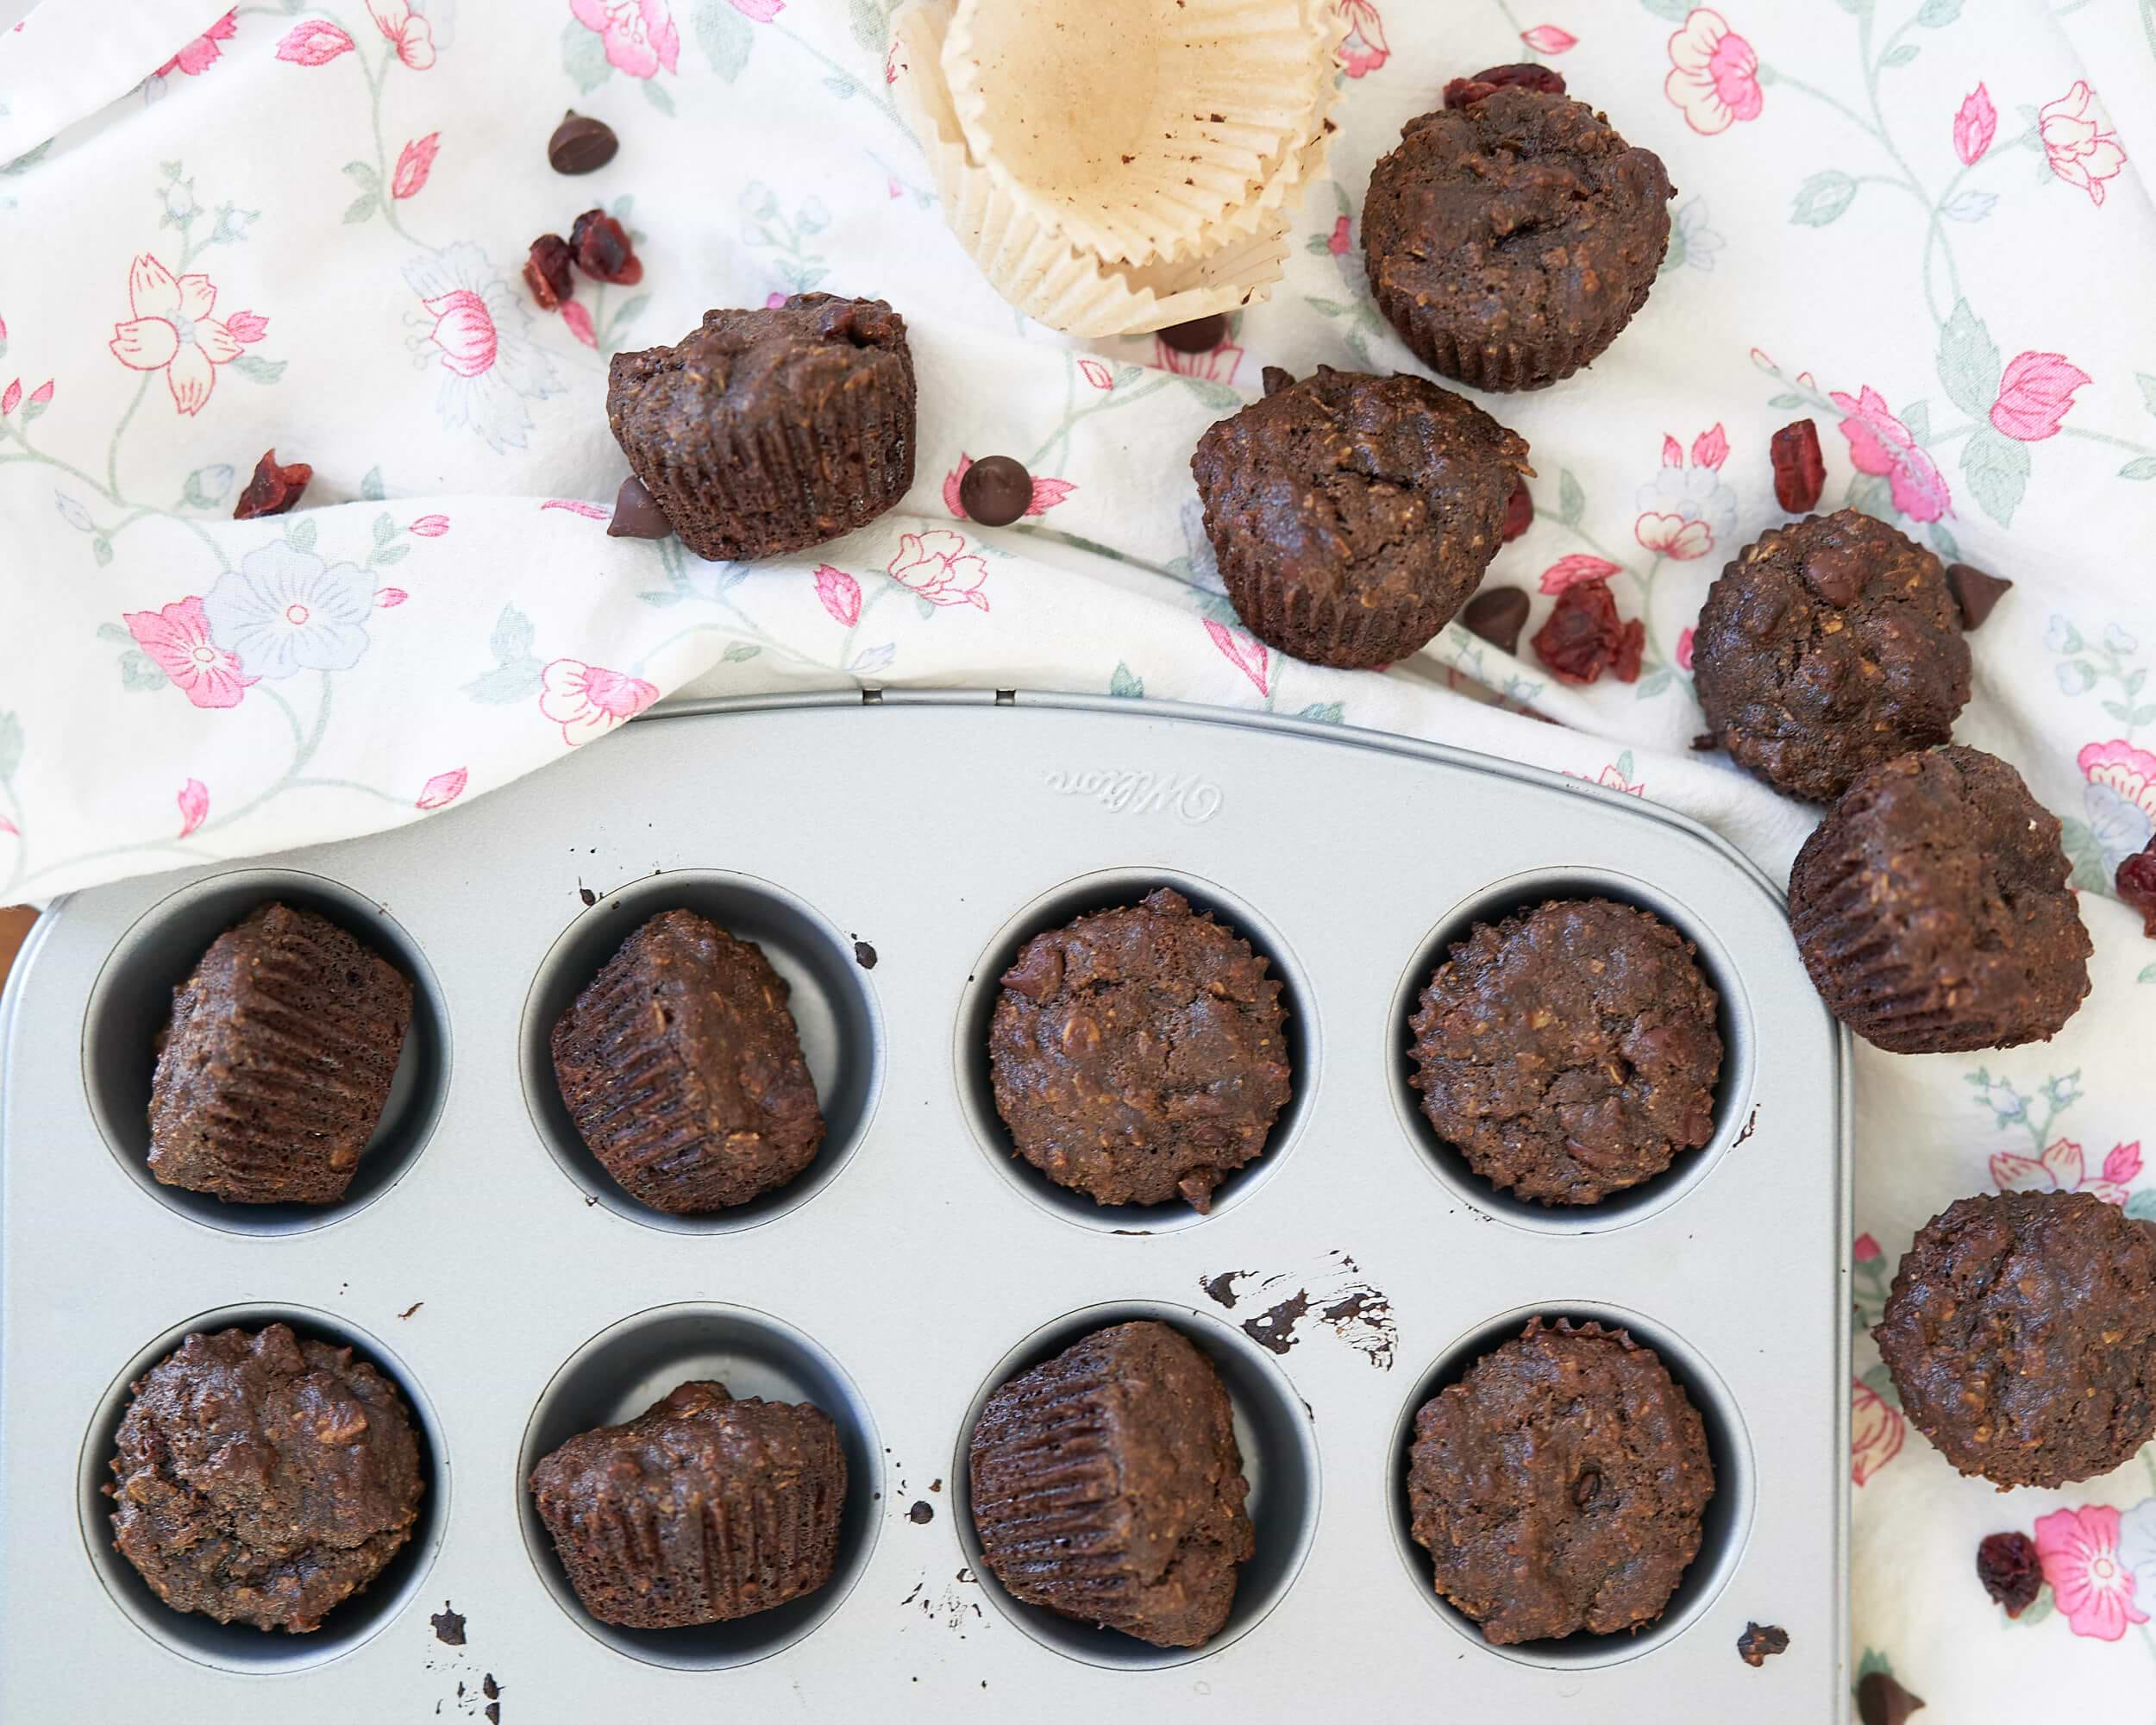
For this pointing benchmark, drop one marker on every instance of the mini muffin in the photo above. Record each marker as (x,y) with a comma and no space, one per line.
(1827,648)
(1509,241)
(277,1064)
(1570,1051)
(1351,516)
(1558,1487)
(261,1479)
(2021,1335)
(701,1509)
(1137,1054)
(1107,1486)
(1932,910)
(770,430)
(681,1067)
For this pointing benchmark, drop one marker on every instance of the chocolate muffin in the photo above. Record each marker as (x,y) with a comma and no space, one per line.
(1560,1485)
(701,1509)
(682,1069)
(1107,1486)
(1569,1050)
(1509,241)
(1352,515)
(1137,1054)
(2022,1334)
(263,1479)
(1829,647)
(275,1068)
(1932,910)
(770,430)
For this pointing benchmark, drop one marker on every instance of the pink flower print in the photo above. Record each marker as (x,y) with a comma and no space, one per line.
(412,35)
(640,34)
(936,565)
(763,11)
(414,165)
(1245,652)
(891,188)
(1686,512)
(2080,1549)
(388,598)
(1866,1249)
(1875,1430)
(178,638)
(1337,240)
(2080,150)
(477,329)
(1672,452)
(1612,778)
(1047,494)
(772,302)
(1097,374)
(580,321)
(2062,1168)
(2128,771)
(316,42)
(1685,649)
(1881,444)
(194,806)
(443,789)
(1714,74)
(840,593)
(464,330)
(199,55)
(284,611)
(588,701)
(1975,125)
(42,395)
(1711,448)
(1364,49)
(10,398)
(247,326)
(1579,567)
(1217,364)
(431,526)
(1674,536)
(172,331)
(590,512)
(2034,395)
(1548,39)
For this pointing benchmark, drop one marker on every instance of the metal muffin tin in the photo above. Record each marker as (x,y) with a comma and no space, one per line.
(485,1261)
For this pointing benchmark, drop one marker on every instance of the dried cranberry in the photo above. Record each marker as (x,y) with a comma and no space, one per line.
(1465,93)
(546,271)
(1800,471)
(2008,1566)
(274,489)
(2136,881)
(1583,636)
(603,250)
(1520,513)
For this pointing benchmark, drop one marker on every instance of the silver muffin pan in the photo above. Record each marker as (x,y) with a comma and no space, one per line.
(890,854)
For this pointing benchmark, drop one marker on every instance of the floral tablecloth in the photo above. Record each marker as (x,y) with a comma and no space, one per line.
(301,227)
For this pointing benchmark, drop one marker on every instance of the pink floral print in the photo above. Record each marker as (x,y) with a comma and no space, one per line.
(580,321)
(1364,49)
(1881,444)
(247,326)
(1579,567)
(1548,39)
(10,398)
(178,638)
(2080,150)
(1714,74)
(407,30)
(590,512)
(194,806)
(1686,512)
(1216,365)
(431,526)
(840,594)
(936,565)
(588,701)
(199,55)
(1673,536)
(1340,238)
(763,11)
(388,598)
(1876,1432)
(414,165)
(1047,494)
(2080,1549)
(1975,125)
(1685,649)
(639,35)
(284,610)
(1244,652)
(1096,373)
(316,42)
(443,789)
(477,333)
(2062,1168)
(1866,1250)
(2127,772)
(2034,395)
(172,331)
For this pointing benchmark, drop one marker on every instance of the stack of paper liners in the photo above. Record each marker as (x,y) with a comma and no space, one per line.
(1179,251)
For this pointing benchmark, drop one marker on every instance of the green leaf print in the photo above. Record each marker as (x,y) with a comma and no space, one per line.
(1997,469)
(1969,362)
(2148,975)
(138,672)
(2140,467)
(871,24)
(371,487)
(1936,15)
(299,532)
(1126,683)
(1675,10)
(2148,390)
(1572,500)
(1324,712)
(10,745)
(727,37)
(1823,198)
(584,56)
(2141,1207)
(658,97)
(1902,55)
(258,371)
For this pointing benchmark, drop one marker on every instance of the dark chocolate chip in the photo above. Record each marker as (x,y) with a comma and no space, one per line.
(1881,1701)
(1975,592)
(1497,614)
(589,897)
(636,513)
(1276,379)
(274,489)
(489,1687)
(580,144)
(996,490)
(922,1512)
(1199,336)
(448,1626)
(1836,575)
(864,955)
(1760,1641)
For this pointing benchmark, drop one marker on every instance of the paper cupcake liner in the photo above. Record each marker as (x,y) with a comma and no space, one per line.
(1499,367)
(1132,125)
(1322,630)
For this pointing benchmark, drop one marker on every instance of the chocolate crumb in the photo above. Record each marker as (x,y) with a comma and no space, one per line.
(1759,1642)
(488,1687)
(864,955)
(589,897)
(936,1485)
(448,1626)
(921,1513)
(1882,1700)
(494,1713)
(410,1309)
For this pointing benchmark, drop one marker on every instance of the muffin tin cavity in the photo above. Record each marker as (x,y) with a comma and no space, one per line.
(241,1647)
(1111,889)
(1273,1429)
(1723,1529)
(1732,1019)
(842,1032)
(132,1001)
(619,1373)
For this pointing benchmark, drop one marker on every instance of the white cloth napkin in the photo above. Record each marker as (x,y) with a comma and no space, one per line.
(302,228)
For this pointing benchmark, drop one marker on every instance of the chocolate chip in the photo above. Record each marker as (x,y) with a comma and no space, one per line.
(489,1687)
(1835,574)
(274,489)
(1199,336)
(1881,1701)
(1975,592)
(996,490)
(1276,379)
(546,271)
(580,144)
(922,1512)
(589,897)
(1760,1641)
(864,955)
(636,513)
(1497,614)
(448,1626)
